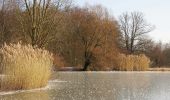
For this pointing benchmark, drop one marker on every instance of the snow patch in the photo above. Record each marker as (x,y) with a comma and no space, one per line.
(51,85)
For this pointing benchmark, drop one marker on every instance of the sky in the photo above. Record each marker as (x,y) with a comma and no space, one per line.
(157,13)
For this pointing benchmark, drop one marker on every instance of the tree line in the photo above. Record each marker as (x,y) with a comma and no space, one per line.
(88,37)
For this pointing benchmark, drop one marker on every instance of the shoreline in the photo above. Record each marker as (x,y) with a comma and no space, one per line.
(71,69)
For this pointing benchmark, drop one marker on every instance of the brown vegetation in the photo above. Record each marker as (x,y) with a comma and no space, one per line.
(85,37)
(132,62)
(24,67)
(58,62)
(166,68)
(95,34)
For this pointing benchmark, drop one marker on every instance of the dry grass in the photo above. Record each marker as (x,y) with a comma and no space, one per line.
(132,62)
(26,67)
(159,69)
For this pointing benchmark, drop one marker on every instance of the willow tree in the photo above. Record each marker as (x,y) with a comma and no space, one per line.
(96,33)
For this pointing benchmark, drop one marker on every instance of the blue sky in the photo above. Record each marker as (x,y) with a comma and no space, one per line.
(157,13)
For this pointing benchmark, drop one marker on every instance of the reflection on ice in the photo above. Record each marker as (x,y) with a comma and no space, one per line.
(100,86)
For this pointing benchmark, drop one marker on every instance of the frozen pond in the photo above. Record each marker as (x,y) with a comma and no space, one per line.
(99,86)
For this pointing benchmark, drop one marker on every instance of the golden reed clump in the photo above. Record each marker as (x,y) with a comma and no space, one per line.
(24,67)
(132,62)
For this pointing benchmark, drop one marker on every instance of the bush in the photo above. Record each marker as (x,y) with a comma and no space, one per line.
(25,67)
(132,62)
(58,62)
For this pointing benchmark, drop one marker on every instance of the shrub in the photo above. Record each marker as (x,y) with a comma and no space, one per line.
(58,62)
(132,62)
(25,67)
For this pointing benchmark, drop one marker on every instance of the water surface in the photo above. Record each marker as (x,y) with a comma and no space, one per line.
(99,86)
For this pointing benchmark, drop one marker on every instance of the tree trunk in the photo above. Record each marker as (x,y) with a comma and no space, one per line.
(86,64)
(132,46)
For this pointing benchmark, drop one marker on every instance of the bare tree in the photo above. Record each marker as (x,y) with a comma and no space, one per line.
(40,19)
(143,45)
(133,26)
(7,19)
(2,20)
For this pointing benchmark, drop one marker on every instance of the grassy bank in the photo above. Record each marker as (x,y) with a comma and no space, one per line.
(159,69)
